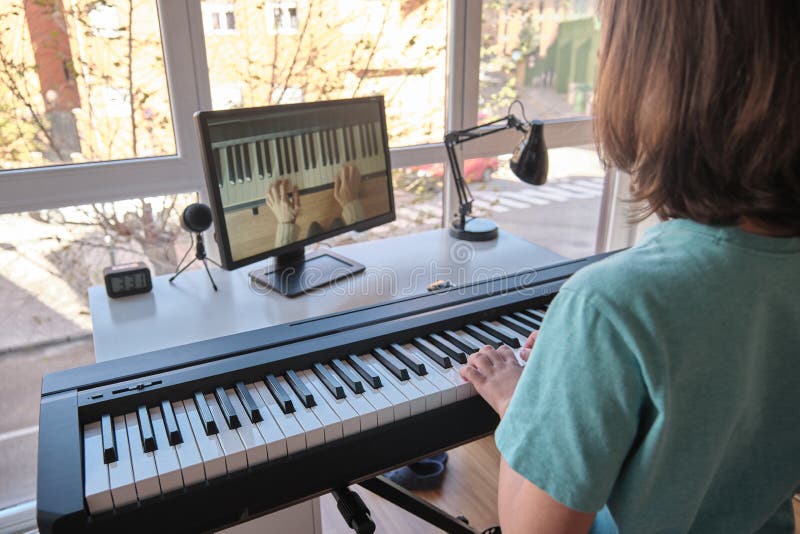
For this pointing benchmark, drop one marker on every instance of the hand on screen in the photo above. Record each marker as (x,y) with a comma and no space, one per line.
(347,185)
(284,207)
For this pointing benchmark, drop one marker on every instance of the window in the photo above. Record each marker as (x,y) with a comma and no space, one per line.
(544,55)
(283,18)
(72,102)
(398,52)
(219,18)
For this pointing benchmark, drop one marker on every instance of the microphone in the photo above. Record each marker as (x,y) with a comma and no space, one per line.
(529,160)
(196,218)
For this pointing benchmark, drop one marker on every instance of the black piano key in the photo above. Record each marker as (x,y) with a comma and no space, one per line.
(432,352)
(526,319)
(226,407)
(365,370)
(302,391)
(448,348)
(287,156)
(537,314)
(352,141)
(328,146)
(312,150)
(250,406)
(305,151)
(460,342)
(346,143)
(293,147)
(364,148)
(375,143)
(336,148)
(322,148)
(171,424)
(511,341)
(248,170)
(333,154)
(391,363)
(279,394)
(259,158)
(482,335)
(347,376)
(218,165)
(515,325)
(109,439)
(146,429)
(204,412)
(231,164)
(237,155)
(409,359)
(329,380)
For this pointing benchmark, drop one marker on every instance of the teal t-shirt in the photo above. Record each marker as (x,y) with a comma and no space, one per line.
(664,384)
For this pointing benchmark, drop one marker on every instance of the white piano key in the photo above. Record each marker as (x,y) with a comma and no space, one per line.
(367,412)
(210,448)
(331,424)
(471,391)
(274,439)
(431,393)
(120,473)
(188,452)
(315,176)
(235,455)
(445,387)
(416,400)
(463,389)
(401,408)
(384,410)
(272,146)
(291,429)
(255,172)
(301,177)
(327,172)
(351,421)
(314,429)
(169,470)
(254,445)
(145,473)
(97,489)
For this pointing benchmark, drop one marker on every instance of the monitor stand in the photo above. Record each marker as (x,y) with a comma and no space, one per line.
(296,273)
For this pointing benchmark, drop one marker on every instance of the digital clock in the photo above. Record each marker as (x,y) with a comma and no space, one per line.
(127,279)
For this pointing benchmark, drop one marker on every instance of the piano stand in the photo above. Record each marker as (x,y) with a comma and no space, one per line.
(357,516)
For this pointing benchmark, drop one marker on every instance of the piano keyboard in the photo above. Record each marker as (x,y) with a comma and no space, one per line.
(310,160)
(166,446)
(206,435)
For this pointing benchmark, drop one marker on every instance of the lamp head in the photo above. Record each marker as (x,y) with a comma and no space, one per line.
(196,218)
(529,160)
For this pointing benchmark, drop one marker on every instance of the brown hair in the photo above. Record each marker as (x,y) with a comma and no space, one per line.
(700,101)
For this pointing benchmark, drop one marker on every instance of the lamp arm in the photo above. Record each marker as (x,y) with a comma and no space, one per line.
(457,137)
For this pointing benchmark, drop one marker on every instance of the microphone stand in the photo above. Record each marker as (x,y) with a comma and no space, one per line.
(199,254)
(474,229)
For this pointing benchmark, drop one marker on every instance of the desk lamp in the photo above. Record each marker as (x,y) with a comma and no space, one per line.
(528,163)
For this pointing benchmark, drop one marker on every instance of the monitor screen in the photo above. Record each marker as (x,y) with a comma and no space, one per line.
(282,177)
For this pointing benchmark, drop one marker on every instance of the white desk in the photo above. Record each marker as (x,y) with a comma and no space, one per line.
(189,310)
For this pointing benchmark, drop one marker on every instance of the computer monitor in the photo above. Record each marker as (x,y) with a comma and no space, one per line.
(283,177)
